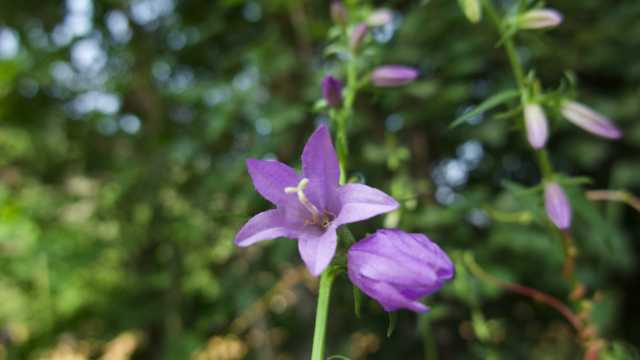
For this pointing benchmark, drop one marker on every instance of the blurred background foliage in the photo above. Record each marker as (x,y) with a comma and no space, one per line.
(124,126)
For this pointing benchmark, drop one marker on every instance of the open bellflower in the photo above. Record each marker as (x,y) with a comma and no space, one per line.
(393,75)
(557,205)
(397,268)
(536,124)
(589,119)
(332,91)
(311,206)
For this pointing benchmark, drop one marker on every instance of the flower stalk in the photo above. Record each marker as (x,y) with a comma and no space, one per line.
(324,293)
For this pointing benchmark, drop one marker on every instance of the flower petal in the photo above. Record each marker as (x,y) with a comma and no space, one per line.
(361,202)
(271,177)
(320,166)
(317,247)
(388,296)
(268,225)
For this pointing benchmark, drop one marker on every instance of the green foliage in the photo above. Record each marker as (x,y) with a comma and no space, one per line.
(123,183)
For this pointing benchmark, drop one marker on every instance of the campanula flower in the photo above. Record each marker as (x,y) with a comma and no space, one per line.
(311,206)
(332,91)
(397,268)
(393,75)
(557,205)
(536,124)
(589,119)
(357,37)
(543,19)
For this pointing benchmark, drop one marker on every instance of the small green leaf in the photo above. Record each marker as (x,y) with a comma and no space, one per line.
(530,191)
(490,103)
(338,357)
(579,180)
(393,316)
(357,299)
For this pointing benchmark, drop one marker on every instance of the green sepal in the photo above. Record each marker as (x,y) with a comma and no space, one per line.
(357,299)
(393,316)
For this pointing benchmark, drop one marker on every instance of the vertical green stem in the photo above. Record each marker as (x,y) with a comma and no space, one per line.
(515,64)
(326,280)
(545,164)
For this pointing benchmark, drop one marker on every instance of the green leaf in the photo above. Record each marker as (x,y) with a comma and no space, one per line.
(579,180)
(224,213)
(490,103)
(393,316)
(357,299)
(338,357)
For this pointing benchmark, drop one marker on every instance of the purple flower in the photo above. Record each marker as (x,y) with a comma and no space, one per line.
(332,91)
(357,37)
(589,119)
(311,206)
(536,124)
(339,14)
(397,268)
(557,205)
(393,75)
(540,19)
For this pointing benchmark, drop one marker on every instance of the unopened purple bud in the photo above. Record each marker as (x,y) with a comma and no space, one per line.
(393,75)
(557,205)
(589,119)
(398,269)
(380,17)
(540,19)
(332,91)
(357,37)
(536,125)
(339,14)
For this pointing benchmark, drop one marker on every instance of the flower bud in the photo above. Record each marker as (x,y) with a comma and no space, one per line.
(557,205)
(472,10)
(589,119)
(380,17)
(339,14)
(536,125)
(397,268)
(357,37)
(393,75)
(540,19)
(332,91)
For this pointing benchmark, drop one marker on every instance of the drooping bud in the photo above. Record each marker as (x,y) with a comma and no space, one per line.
(380,17)
(393,75)
(536,125)
(544,19)
(357,37)
(589,119)
(332,91)
(339,14)
(472,10)
(557,205)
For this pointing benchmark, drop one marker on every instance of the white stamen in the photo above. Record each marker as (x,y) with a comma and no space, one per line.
(303,199)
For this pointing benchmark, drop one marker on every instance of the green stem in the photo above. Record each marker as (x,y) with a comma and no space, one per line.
(515,64)
(326,280)
(545,164)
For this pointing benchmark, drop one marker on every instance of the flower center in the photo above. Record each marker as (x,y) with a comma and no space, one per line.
(321,219)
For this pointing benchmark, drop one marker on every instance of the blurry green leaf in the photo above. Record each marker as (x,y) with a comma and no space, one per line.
(393,317)
(357,297)
(490,103)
